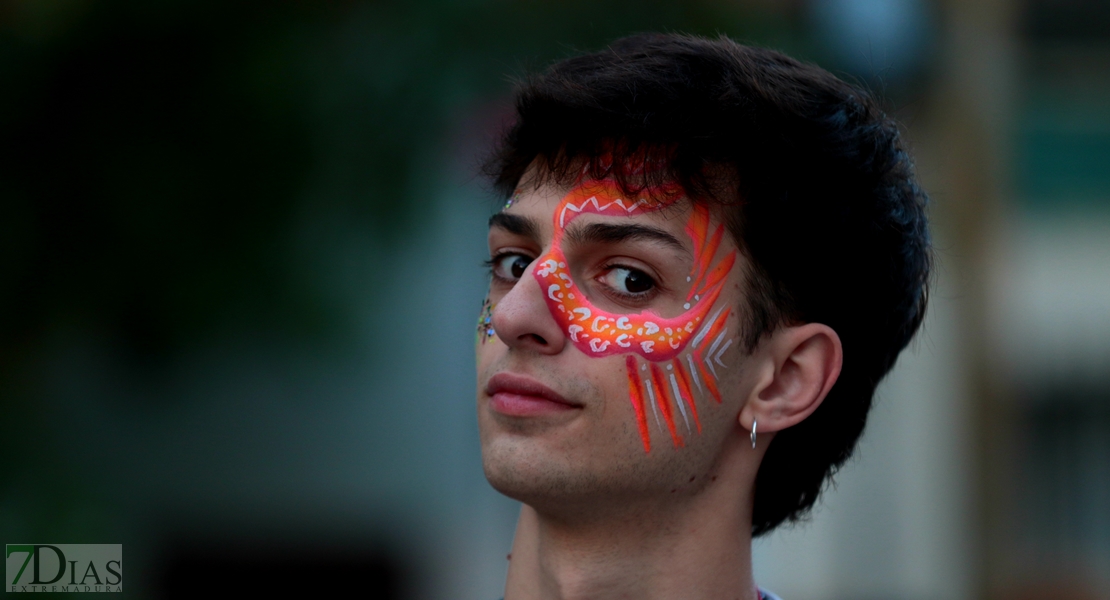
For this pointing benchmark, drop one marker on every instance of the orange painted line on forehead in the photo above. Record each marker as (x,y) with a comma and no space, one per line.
(636,394)
(606,198)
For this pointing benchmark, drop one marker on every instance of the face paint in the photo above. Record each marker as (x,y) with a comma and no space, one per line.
(485,330)
(679,341)
(515,197)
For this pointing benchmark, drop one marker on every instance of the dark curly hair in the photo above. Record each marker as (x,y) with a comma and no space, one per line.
(819,190)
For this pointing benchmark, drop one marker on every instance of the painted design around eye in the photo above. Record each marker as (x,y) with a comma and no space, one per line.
(623,280)
(678,341)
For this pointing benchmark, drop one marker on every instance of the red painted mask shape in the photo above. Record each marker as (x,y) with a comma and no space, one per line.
(689,344)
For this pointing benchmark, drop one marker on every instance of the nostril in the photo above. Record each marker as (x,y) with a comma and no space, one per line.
(539,340)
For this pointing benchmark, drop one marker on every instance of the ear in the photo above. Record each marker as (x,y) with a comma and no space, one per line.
(800,365)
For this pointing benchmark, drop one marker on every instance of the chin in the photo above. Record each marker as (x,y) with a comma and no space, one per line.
(517,467)
(557,480)
(531,471)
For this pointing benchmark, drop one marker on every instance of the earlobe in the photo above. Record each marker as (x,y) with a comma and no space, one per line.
(802,364)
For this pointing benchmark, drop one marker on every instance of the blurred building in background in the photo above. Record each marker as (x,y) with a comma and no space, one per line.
(240,250)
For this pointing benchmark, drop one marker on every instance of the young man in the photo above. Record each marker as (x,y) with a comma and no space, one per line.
(710,256)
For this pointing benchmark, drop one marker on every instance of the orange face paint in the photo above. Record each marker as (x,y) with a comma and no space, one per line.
(636,394)
(597,332)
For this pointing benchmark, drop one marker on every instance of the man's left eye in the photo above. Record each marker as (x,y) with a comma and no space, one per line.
(509,266)
(628,281)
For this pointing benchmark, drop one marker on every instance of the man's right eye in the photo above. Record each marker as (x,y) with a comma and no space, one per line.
(509,267)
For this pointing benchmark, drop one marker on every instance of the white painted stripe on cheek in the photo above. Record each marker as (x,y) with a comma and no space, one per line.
(678,401)
(694,372)
(705,327)
(717,358)
(709,355)
(654,408)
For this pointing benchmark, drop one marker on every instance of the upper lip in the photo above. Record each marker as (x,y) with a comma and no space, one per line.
(524,386)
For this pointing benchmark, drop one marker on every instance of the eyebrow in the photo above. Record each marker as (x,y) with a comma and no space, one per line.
(608,233)
(515,224)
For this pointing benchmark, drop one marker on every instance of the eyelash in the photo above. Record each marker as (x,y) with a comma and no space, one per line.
(626,297)
(491,265)
(632,298)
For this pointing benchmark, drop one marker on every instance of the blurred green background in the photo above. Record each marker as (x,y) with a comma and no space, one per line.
(240,250)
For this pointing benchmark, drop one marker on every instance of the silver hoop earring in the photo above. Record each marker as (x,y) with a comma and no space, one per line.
(753,434)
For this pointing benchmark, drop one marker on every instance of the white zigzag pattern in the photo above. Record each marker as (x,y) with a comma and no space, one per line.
(597,207)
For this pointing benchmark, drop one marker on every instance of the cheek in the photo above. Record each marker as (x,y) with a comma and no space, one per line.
(610,376)
(732,372)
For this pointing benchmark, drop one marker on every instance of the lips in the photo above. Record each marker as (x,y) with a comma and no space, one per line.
(521,396)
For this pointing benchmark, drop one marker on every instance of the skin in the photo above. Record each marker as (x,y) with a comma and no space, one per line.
(610,512)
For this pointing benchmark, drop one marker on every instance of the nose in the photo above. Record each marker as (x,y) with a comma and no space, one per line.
(522,320)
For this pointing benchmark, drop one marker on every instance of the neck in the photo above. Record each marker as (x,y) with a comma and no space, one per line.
(696,548)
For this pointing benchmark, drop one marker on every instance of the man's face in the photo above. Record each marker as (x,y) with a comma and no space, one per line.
(608,359)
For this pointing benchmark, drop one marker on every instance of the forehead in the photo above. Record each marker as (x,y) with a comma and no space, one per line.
(550,207)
